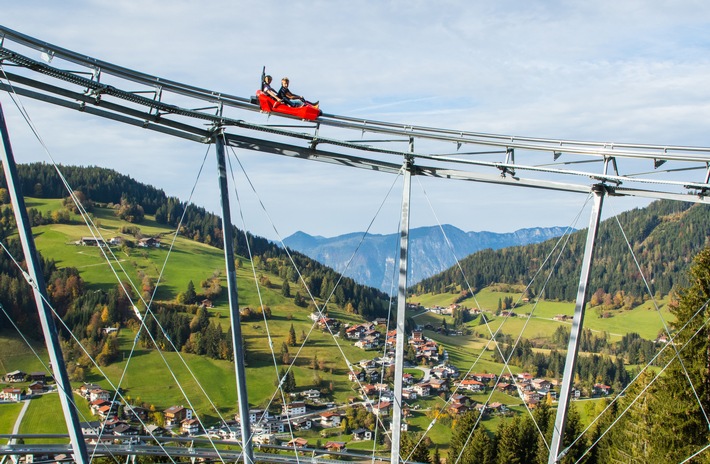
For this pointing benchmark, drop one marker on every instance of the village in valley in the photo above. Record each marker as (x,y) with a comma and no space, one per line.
(429,376)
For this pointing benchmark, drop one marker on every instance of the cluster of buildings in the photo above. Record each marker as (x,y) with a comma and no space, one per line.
(146,242)
(325,322)
(367,336)
(124,422)
(119,421)
(426,350)
(443,310)
(268,427)
(37,385)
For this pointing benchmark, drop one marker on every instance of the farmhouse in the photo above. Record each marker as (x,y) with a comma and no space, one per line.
(381,409)
(312,393)
(15,376)
(362,434)
(458,408)
(99,394)
(38,376)
(472,385)
(296,408)
(335,446)
(601,389)
(35,388)
(356,376)
(150,242)
(11,394)
(422,389)
(174,415)
(298,443)
(330,419)
(302,423)
(92,241)
(190,426)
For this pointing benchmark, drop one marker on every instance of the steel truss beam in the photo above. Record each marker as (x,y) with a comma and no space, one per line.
(160,87)
(93,66)
(95,93)
(160,123)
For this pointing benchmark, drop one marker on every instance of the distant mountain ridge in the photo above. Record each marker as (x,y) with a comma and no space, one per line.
(430,254)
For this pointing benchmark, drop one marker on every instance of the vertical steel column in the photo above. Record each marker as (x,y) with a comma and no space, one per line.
(401,307)
(599,191)
(228,237)
(34,270)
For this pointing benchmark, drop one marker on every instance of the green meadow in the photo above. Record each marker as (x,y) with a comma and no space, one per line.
(166,378)
(647,319)
(8,416)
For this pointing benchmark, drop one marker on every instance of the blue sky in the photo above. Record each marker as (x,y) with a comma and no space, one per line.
(618,71)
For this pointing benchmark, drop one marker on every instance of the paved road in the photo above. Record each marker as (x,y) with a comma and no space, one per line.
(16,428)
(426,372)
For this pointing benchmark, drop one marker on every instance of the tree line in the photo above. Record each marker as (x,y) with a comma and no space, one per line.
(662,237)
(100,185)
(662,417)
(589,370)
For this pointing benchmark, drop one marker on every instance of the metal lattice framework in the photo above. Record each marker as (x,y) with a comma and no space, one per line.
(74,81)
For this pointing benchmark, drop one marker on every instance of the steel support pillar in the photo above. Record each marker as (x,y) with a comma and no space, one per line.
(599,191)
(228,236)
(401,307)
(39,288)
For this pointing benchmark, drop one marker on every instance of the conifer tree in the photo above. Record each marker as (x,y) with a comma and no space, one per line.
(630,439)
(507,441)
(407,449)
(481,449)
(545,420)
(680,427)
(285,357)
(190,294)
(435,457)
(291,336)
(460,447)
(572,431)
(604,417)
(298,300)
(527,439)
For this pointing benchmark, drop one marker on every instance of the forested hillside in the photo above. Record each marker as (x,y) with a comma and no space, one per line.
(664,237)
(661,418)
(132,200)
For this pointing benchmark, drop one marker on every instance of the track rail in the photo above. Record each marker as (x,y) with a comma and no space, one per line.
(96,67)
(183,447)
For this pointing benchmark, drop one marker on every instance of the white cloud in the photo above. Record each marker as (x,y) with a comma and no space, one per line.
(613,71)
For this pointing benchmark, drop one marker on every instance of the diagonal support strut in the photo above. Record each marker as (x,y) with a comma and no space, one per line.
(34,270)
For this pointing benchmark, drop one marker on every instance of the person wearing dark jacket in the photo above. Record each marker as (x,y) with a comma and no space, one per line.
(291,98)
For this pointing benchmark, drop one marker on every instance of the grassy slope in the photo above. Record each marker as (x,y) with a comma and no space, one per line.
(8,416)
(147,377)
(643,319)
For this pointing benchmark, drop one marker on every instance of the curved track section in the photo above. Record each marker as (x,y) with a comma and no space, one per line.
(197,114)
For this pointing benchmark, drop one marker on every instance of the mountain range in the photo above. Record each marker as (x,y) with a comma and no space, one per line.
(374,263)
